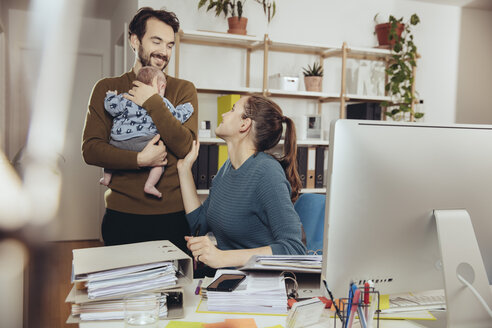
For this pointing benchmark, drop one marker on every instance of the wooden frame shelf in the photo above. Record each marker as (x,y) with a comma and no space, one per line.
(253,43)
(266,45)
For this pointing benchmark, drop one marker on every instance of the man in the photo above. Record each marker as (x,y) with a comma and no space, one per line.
(131,215)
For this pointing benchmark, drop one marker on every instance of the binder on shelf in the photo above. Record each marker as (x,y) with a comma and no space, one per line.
(302,164)
(194,172)
(222,156)
(364,111)
(224,104)
(213,157)
(311,166)
(202,167)
(319,170)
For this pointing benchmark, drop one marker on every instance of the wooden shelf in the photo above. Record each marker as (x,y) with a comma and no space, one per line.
(239,90)
(220,39)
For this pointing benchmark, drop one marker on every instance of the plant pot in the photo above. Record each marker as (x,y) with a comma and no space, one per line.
(382,31)
(236,25)
(313,83)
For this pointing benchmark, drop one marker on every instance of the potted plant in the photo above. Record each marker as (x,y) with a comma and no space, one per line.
(400,71)
(313,76)
(234,9)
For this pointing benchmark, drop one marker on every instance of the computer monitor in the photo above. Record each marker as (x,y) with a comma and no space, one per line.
(384,182)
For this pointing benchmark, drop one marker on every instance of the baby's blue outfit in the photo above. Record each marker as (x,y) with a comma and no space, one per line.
(131,120)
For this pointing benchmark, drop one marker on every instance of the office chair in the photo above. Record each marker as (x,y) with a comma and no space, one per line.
(311,210)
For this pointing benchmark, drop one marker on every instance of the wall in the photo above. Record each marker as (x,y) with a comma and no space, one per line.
(3,79)
(75,219)
(475,68)
(324,22)
(123,13)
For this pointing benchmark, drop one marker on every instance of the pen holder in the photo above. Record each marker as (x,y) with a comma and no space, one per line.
(370,310)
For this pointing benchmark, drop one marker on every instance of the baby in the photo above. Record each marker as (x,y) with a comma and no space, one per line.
(133,128)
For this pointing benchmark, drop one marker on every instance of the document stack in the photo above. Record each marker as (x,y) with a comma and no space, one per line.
(103,276)
(304,269)
(259,293)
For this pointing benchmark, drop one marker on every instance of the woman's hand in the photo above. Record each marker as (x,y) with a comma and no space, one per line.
(187,162)
(205,251)
(141,92)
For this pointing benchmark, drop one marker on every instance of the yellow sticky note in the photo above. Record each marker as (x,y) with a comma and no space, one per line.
(184,324)
(277,326)
(384,302)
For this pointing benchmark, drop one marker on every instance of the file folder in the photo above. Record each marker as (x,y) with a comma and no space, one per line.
(319,170)
(302,164)
(311,165)
(202,167)
(96,259)
(213,157)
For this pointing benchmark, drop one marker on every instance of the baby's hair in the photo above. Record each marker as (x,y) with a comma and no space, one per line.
(147,73)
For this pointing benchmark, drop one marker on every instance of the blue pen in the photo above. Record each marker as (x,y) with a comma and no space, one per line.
(352,290)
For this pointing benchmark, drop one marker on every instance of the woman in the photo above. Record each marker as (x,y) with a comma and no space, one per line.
(250,206)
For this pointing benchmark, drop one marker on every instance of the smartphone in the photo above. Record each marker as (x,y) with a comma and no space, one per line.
(226,282)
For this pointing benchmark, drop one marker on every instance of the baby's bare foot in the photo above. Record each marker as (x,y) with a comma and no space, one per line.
(152,190)
(104,182)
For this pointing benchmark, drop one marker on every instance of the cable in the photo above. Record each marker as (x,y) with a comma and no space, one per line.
(475,292)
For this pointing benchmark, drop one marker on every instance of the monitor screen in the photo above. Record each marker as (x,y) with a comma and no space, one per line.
(384,181)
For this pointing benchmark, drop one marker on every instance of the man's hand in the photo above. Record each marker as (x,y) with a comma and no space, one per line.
(141,92)
(205,251)
(154,154)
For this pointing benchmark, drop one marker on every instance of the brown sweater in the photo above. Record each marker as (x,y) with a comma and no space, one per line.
(125,193)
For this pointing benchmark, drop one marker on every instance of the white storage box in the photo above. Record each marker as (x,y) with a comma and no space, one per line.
(283,82)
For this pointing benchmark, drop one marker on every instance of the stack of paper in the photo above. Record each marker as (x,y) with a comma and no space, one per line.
(105,275)
(262,292)
(109,309)
(129,280)
(298,263)
(427,300)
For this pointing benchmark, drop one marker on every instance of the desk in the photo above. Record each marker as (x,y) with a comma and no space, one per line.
(192,300)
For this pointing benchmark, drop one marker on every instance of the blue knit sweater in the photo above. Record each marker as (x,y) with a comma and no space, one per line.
(250,207)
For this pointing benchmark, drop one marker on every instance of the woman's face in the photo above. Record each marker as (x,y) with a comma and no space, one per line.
(232,120)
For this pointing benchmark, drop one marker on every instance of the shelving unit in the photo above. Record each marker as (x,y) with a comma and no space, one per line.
(252,44)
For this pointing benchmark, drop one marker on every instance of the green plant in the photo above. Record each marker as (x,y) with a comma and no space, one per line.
(235,7)
(315,70)
(400,71)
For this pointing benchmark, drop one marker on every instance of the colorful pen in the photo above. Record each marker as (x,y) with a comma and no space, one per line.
(366,298)
(352,289)
(198,287)
(373,307)
(353,308)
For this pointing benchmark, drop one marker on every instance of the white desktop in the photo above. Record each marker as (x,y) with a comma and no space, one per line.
(385,180)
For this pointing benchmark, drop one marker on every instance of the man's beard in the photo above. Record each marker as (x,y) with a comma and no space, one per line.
(145,60)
